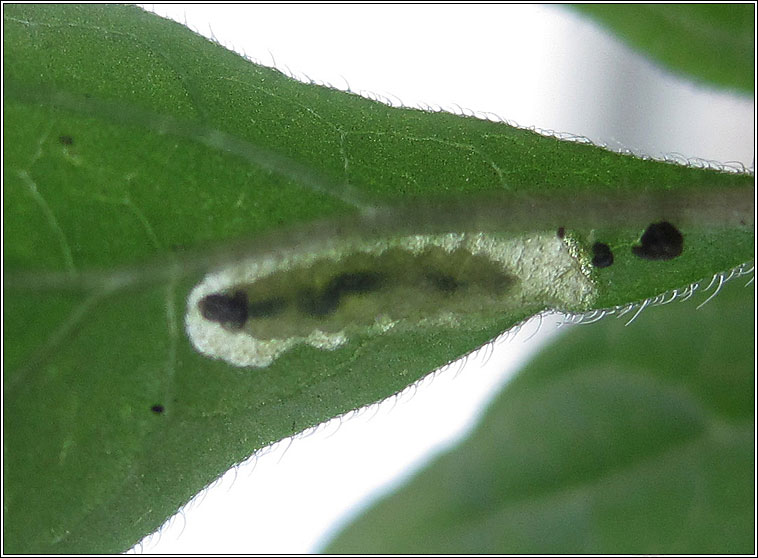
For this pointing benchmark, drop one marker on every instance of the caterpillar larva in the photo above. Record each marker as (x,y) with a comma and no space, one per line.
(250,312)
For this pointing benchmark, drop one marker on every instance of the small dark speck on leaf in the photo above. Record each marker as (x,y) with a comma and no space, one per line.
(601,255)
(660,241)
(157,409)
(561,232)
(66,140)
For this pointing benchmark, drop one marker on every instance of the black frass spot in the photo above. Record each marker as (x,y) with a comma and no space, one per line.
(66,140)
(157,409)
(225,309)
(660,241)
(601,255)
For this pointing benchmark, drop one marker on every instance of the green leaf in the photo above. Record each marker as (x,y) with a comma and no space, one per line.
(614,440)
(139,156)
(714,43)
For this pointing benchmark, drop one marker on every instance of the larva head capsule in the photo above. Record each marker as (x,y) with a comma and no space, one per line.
(230,310)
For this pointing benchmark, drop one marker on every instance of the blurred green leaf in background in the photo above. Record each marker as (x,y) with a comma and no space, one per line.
(138,156)
(614,440)
(712,43)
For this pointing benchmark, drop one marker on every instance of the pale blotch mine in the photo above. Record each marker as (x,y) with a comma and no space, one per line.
(550,271)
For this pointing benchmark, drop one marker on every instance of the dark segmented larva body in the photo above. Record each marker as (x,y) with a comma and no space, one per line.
(322,303)
(252,311)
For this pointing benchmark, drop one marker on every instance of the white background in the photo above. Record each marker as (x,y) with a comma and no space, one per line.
(539,66)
